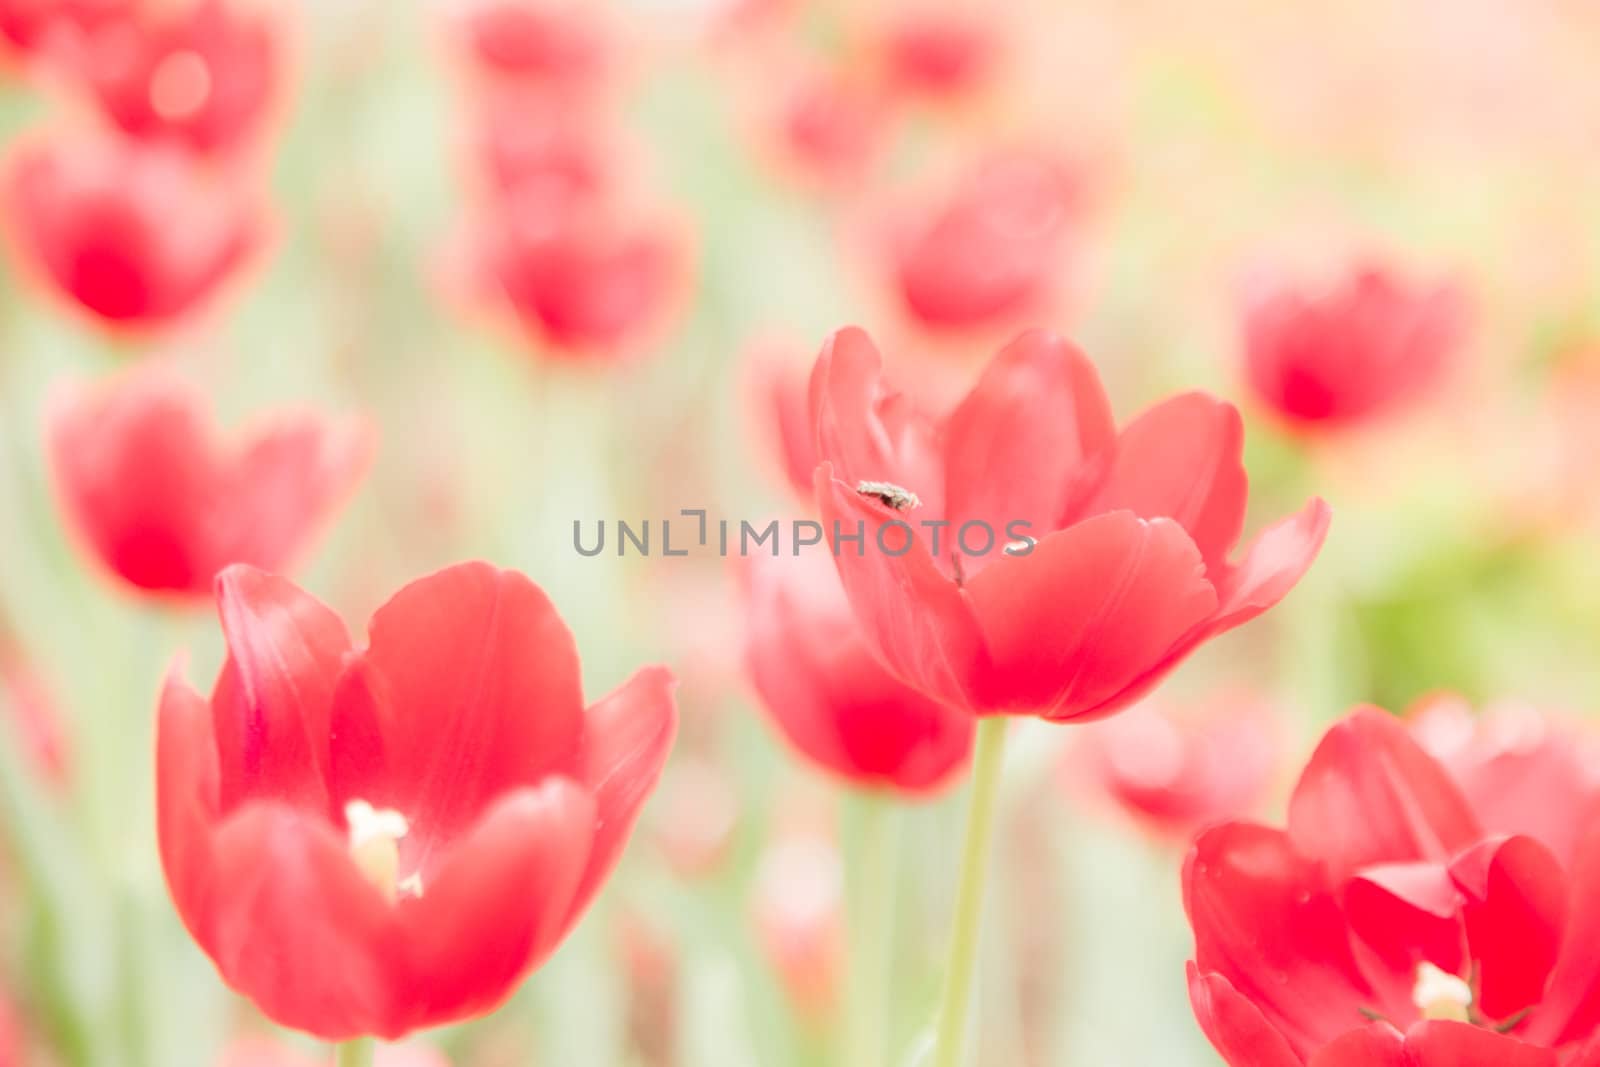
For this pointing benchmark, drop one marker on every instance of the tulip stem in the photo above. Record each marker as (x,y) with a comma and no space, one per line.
(357,1053)
(872,931)
(954,1004)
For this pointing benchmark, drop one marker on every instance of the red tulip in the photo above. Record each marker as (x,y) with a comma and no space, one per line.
(826,693)
(937,53)
(1369,347)
(561,45)
(1078,566)
(586,282)
(827,128)
(146,482)
(1523,772)
(993,250)
(531,152)
(1174,771)
(204,74)
(49,27)
(137,237)
(1386,926)
(370,841)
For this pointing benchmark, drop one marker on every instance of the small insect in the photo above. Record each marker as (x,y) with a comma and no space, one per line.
(890,495)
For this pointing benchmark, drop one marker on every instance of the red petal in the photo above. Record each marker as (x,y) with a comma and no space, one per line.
(1089,609)
(1182,460)
(626,738)
(186,795)
(1370,795)
(868,432)
(1406,913)
(1453,1044)
(1570,1010)
(1263,921)
(1031,440)
(496,907)
(1273,564)
(1515,912)
(827,693)
(135,472)
(468,690)
(291,924)
(915,619)
(289,480)
(1377,1045)
(273,701)
(1234,1026)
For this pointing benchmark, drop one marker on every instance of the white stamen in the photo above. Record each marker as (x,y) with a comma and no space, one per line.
(375,835)
(1441,995)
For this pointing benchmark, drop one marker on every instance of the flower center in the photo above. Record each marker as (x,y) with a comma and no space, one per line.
(180,86)
(375,835)
(1440,995)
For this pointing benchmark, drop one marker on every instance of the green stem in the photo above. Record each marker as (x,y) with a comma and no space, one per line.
(872,932)
(357,1053)
(950,1044)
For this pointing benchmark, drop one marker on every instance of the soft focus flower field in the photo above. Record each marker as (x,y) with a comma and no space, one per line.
(333,334)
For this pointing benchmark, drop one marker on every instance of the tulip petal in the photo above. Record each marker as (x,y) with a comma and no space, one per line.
(1274,563)
(290,477)
(187,794)
(1377,1045)
(1263,921)
(135,473)
(1441,1043)
(1406,913)
(866,431)
(292,924)
(627,736)
(1030,442)
(1183,460)
(273,700)
(1570,1009)
(1088,609)
(918,622)
(1234,1026)
(471,688)
(496,904)
(1370,795)
(1515,911)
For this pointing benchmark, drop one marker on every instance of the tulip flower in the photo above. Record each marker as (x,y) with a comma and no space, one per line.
(367,841)
(137,237)
(146,482)
(1077,565)
(937,53)
(992,250)
(825,128)
(563,46)
(1385,925)
(1522,771)
(44,27)
(1369,347)
(828,695)
(1174,770)
(529,151)
(586,282)
(204,74)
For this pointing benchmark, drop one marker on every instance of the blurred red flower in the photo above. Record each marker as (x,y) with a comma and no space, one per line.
(146,482)
(136,236)
(55,29)
(799,917)
(530,151)
(559,45)
(204,74)
(993,249)
(1127,569)
(586,282)
(827,127)
(828,696)
(937,53)
(1365,348)
(1176,769)
(370,841)
(1385,925)
(1523,772)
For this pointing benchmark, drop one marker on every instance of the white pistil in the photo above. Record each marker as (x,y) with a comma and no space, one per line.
(1440,995)
(375,835)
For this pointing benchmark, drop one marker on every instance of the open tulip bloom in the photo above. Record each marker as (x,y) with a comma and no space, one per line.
(1123,564)
(370,841)
(1385,927)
